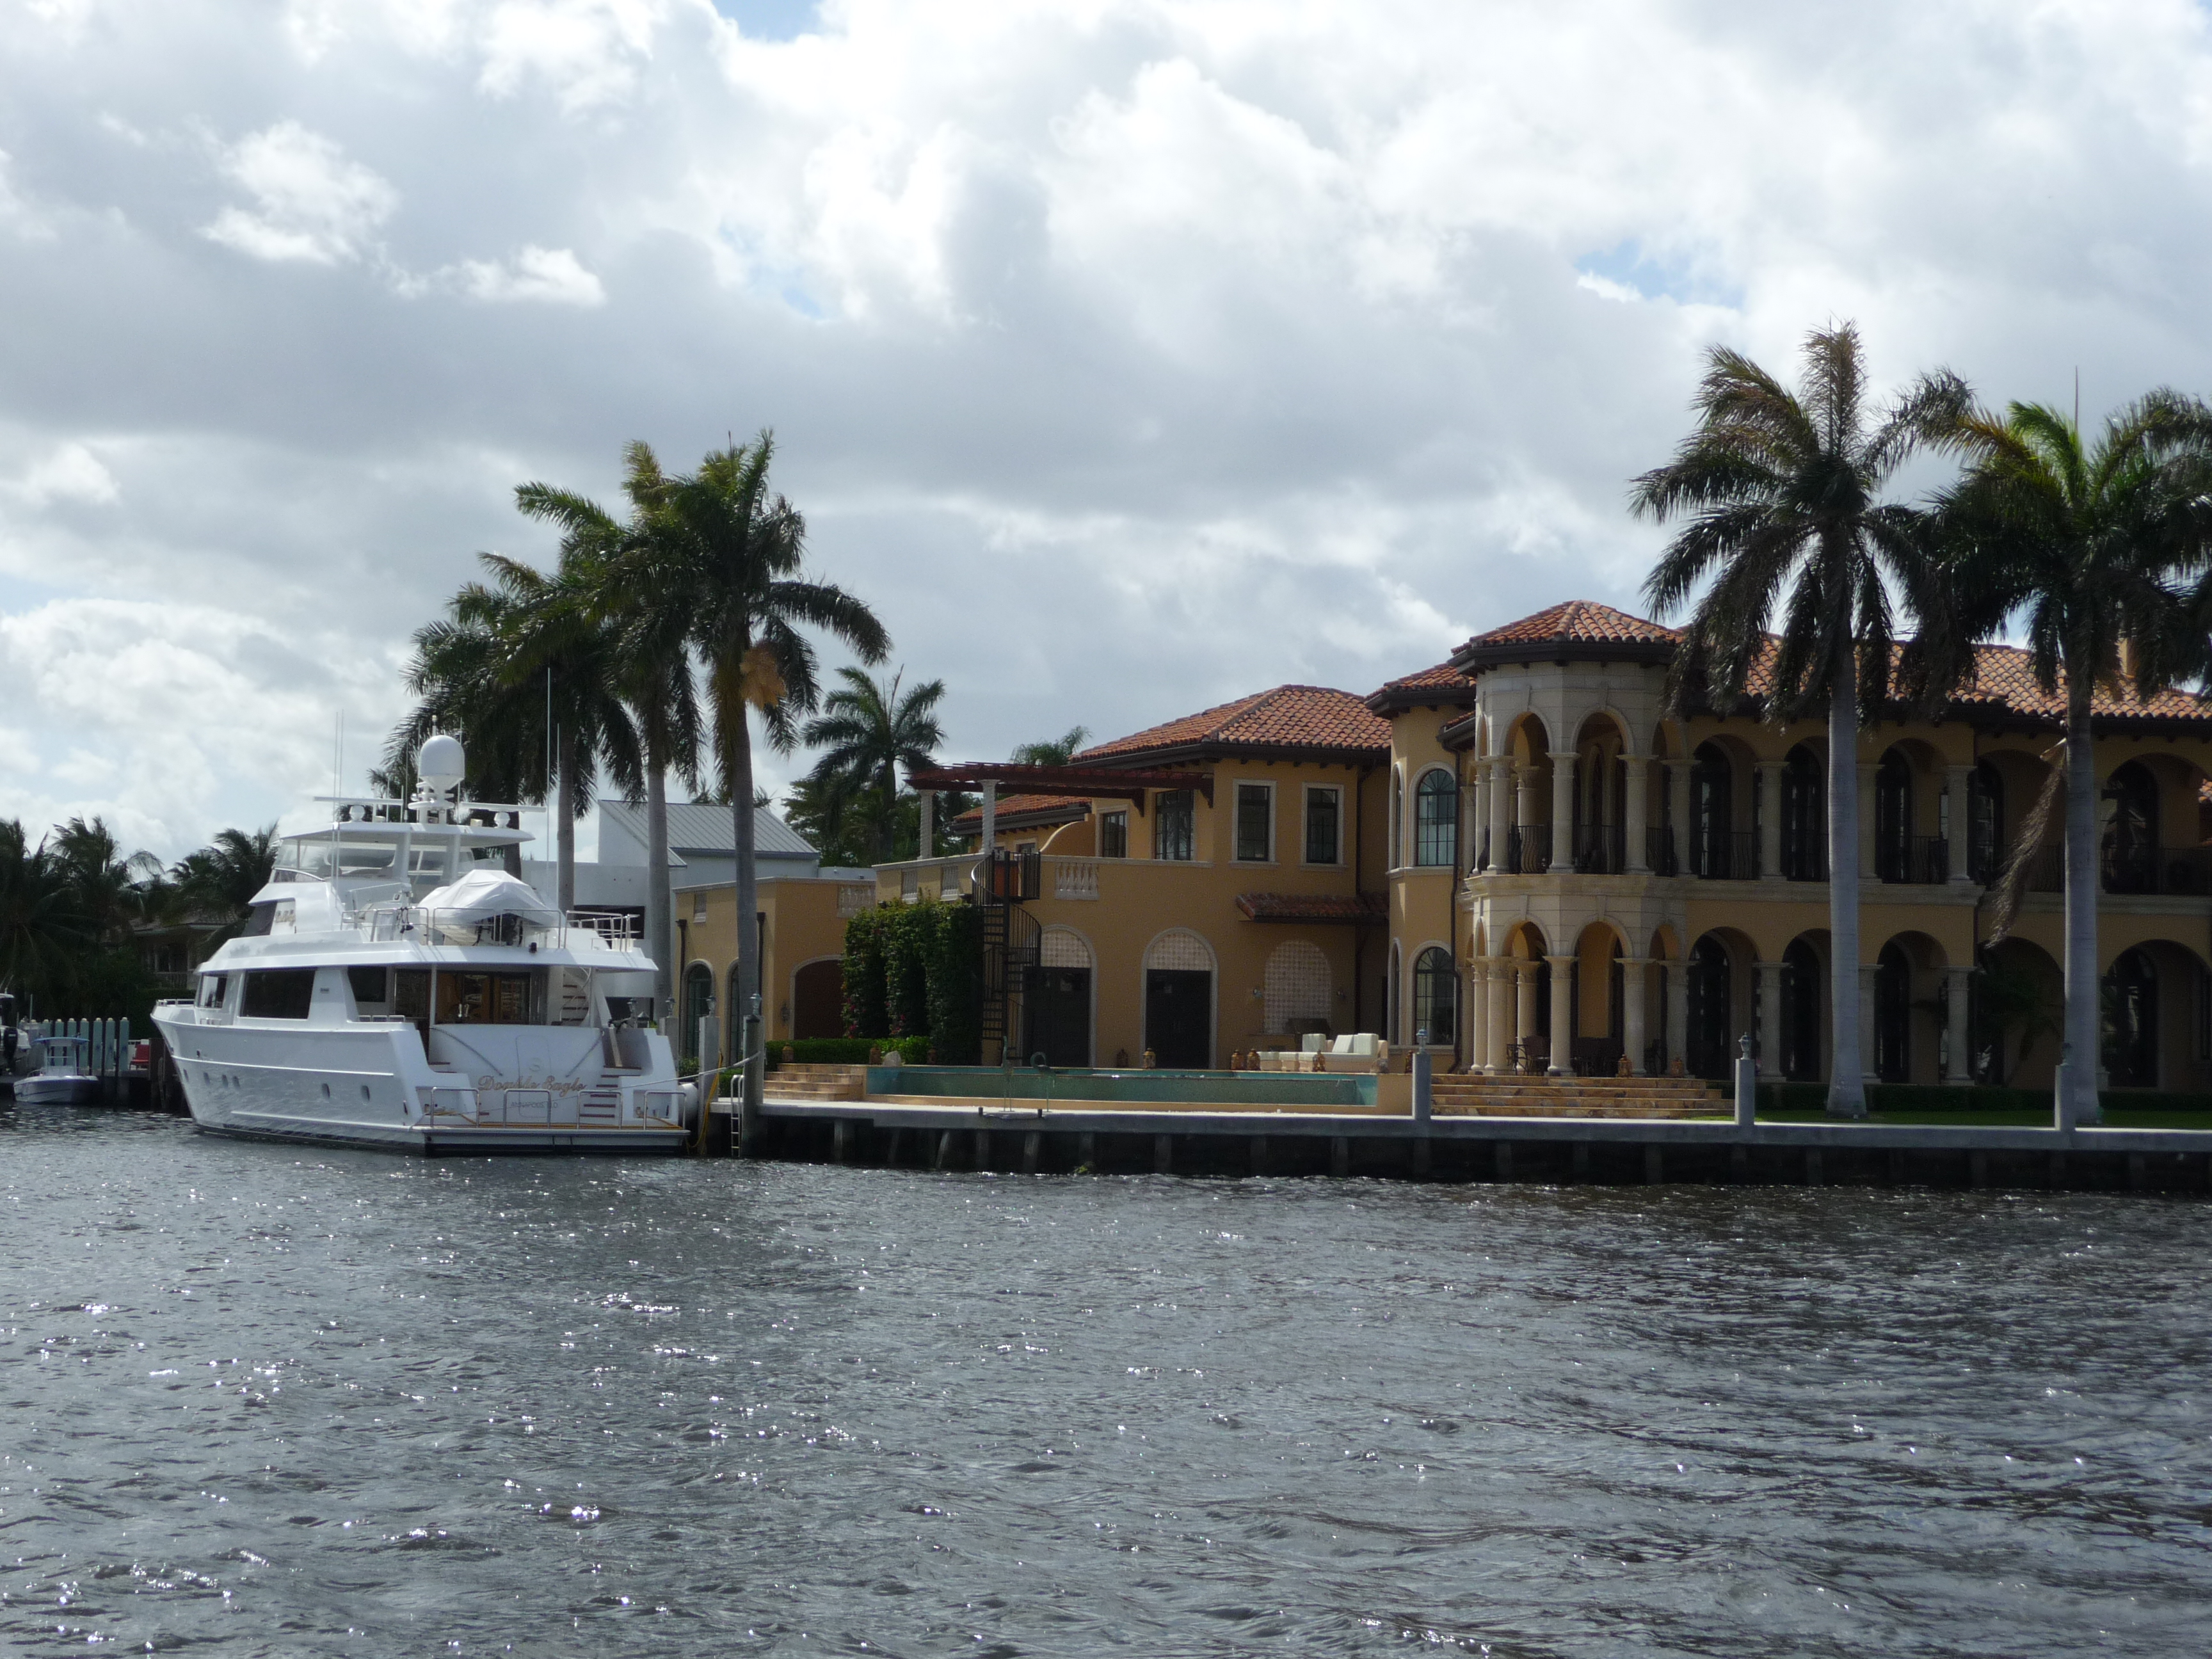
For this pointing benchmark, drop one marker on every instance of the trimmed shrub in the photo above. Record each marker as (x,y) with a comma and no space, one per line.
(848,1051)
(956,984)
(908,932)
(866,1007)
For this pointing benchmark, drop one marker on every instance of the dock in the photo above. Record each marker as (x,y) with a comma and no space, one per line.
(1033,1137)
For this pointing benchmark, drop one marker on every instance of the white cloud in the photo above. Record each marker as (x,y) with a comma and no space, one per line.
(588,51)
(310,203)
(71,473)
(549,276)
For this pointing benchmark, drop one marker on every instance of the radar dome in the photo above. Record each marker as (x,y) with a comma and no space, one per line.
(441,764)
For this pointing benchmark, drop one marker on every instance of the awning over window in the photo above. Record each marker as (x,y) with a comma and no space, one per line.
(1357,909)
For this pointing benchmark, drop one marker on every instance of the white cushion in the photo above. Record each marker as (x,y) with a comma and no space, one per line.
(1311,1041)
(1362,1043)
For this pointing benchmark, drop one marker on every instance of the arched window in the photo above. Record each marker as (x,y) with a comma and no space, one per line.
(1802,984)
(1984,823)
(1435,819)
(2131,842)
(1436,997)
(1397,818)
(2130,1021)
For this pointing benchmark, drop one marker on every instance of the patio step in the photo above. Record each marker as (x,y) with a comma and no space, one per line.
(815,1080)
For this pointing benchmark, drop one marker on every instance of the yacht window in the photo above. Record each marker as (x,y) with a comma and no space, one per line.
(258,918)
(410,995)
(277,993)
(370,984)
(484,999)
(212,986)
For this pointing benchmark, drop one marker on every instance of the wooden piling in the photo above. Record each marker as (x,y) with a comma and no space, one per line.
(1340,1154)
(1032,1152)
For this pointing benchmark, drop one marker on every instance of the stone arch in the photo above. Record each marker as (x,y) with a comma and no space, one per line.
(1805,813)
(1432,988)
(2016,1010)
(1435,829)
(1297,989)
(1721,983)
(1181,989)
(1599,1011)
(1060,1002)
(1807,1034)
(1908,1013)
(2155,1016)
(816,997)
(697,1002)
(1182,948)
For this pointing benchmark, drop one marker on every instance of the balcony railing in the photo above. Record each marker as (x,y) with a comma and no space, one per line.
(1659,850)
(1913,861)
(2138,869)
(1601,849)
(1804,859)
(1528,849)
(1724,856)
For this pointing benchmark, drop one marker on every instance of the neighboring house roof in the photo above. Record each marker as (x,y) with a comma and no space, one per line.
(1432,688)
(1022,812)
(1291,722)
(701,827)
(1313,906)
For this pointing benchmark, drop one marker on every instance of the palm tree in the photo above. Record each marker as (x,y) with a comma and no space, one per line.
(873,734)
(1783,487)
(42,929)
(1052,751)
(2098,549)
(727,554)
(221,878)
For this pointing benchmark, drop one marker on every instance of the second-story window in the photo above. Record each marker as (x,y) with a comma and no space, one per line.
(1255,808)
(1435,819)
(1114,835)
(1173,816)
(1322,814)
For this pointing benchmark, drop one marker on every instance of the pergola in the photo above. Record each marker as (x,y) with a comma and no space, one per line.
(1085,782)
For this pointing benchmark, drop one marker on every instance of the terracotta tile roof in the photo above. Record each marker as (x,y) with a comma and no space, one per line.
(2004,679)
(1313,906)
(1442,684)
(1292,719)
(1022,811)
(1578,622)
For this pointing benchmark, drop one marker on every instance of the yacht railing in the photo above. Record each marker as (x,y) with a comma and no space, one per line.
(395,923)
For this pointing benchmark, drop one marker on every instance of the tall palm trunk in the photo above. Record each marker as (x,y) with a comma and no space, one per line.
(1846,1076)
(741,822)
(565,836)
(2078,1101)
(657,930)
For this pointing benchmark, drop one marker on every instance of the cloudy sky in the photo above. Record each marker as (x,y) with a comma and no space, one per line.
(1127,355)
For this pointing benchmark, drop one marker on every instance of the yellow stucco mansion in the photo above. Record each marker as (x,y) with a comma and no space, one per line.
(1519,857)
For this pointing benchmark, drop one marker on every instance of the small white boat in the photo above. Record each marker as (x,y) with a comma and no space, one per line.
(64,1077)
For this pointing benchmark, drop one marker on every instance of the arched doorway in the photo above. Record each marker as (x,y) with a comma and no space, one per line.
(1892,1014)
(818,999)
(1804,988)
(1056,1000)
(1708,983)
(1804,817)
(698,1005)
(1712,815)
(1893,818)
(1179,1001)
(2131,839)
(1984,823)
(2130,1021)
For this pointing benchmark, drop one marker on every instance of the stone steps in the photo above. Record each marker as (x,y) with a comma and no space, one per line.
(815,1080)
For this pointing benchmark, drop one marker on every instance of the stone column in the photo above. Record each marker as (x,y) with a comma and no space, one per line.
(1562,1009)
(1867,971)
(1503,786)
(1769,1022)
(1770,827)
(1631,1010)
(925,845)
(1635,817)
(1678,1011)
(1962,1068)
(990,818)
(1562,809)
(1524,1009)
(1476,797)
(1499,971)
(1477,980)
(1678,812)
(1524,799)
(1957,785)
(1866,820)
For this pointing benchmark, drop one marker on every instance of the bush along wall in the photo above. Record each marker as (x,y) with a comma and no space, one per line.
(1975,1098)
(914,974)
(847,1051)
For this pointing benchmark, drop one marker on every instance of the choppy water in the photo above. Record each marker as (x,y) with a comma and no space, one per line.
(270,1402)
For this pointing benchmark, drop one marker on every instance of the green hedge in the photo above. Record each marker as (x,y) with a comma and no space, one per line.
(1976,1098)
(848,1051)
(915,971)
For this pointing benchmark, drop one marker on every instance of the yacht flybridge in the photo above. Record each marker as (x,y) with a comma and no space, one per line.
(396,985)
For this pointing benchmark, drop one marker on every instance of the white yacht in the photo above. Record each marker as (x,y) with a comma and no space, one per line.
(396,986)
